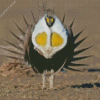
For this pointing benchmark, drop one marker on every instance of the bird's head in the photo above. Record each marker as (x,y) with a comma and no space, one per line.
(49,18)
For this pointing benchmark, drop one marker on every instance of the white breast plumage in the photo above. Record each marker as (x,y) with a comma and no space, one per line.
(41,27)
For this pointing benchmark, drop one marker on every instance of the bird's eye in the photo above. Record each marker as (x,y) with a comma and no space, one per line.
(52,20)
(47,20)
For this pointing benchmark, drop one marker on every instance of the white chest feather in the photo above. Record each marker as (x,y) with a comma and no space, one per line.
(43,34)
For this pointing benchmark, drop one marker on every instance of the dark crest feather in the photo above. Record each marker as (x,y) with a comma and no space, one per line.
(15,52)
(19,39)
(73,64)
(25,21)
(11,57)
(80,58)
(63,19)
(33,17)
(76,36)
(78,43)
(23,33)
(74,69)
(80,51)
(17,47)
(72,24)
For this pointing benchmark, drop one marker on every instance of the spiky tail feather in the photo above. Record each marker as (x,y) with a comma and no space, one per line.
(74,53)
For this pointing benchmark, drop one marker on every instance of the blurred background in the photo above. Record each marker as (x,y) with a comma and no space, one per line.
(85,12)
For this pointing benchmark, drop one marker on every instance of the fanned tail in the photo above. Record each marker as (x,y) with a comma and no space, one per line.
(72,53)
(24,53)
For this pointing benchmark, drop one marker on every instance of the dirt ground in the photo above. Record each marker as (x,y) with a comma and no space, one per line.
(20,83)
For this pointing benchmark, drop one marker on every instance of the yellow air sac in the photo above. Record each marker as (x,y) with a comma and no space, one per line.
(41,39)
(56,40)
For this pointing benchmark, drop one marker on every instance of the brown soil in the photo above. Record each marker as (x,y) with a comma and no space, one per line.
(19,82)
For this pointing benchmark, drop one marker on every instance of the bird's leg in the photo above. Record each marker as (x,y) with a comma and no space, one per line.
(43,78)
(51,79)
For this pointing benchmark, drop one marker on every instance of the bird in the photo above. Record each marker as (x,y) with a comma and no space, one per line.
(47,46)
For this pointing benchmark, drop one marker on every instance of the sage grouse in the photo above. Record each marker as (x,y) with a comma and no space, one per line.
(48,46)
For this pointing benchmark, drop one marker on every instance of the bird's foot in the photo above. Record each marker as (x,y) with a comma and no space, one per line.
(44,87)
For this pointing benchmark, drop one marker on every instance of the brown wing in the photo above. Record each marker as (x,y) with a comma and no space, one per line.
(28,49)
(27,43)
